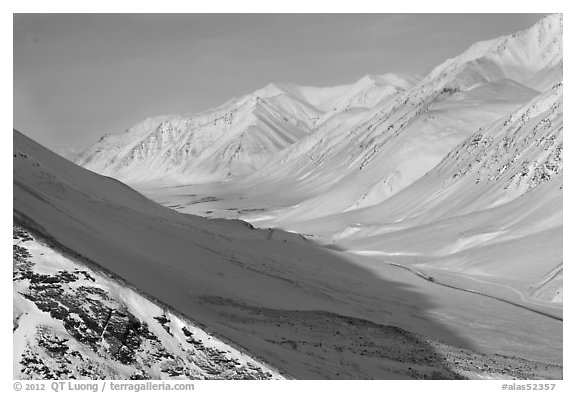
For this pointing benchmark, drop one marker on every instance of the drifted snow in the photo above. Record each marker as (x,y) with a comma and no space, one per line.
(455,177)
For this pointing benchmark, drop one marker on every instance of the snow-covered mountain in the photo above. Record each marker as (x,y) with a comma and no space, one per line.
(235,138)
(378,122)
(390,143)
(348,146)
(492,208)
(462,173)
(425,206)
(276,296)
(532,57)
(396,143)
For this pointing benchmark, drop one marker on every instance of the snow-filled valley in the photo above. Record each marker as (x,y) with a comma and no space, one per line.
(397,227)
(462,173)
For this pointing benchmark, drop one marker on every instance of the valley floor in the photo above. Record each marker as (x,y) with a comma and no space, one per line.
(73,322)
(491,318)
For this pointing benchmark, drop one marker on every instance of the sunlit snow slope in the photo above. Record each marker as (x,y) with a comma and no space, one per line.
(479,196)
(283,299)
(235,138)
(492,208)
(390,147)
(461,172)
(445,193)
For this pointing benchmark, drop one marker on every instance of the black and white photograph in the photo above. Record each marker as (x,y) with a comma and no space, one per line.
(287,196)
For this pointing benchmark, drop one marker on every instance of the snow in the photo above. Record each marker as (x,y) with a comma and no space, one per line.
(365,158)
(463,168)
(432,205)
(234,139)
(31,320)
(209,270)
(485,209)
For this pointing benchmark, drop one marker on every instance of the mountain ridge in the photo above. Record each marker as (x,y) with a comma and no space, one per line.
(410,135)
(232,139)
(390,228)
(256,287)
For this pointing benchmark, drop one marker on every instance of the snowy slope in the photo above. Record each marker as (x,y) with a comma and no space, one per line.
(462,172)
(491,208)
(233,139)
(367,92)
(446,194)
(75,322)
(526,57)
(388,148)
(278,297)
(492,167)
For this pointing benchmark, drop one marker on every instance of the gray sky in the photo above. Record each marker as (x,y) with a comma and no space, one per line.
(78,76)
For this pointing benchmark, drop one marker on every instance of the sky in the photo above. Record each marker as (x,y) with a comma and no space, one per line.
(78,76)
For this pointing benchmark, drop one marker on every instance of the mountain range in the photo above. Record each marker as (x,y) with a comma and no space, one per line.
(235,138)
(424,212)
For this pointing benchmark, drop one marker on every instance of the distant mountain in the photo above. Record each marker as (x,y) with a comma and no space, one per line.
(382,151)
(235,138)
(492,208)
(532,57)
(462,173)
(108,284)
(431,220)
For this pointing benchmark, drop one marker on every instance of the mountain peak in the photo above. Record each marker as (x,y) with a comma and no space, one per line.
(369,78)
(284,112)
(270,90)
(402,81)
(532,57)
(551,22)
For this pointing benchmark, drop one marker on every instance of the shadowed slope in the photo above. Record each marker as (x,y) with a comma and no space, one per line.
(189,263)
(183,260)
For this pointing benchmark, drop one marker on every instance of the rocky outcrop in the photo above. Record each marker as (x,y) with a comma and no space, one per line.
(78,324)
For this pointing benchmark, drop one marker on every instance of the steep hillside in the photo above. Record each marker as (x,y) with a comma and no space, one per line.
(233,139)
(72,321)
(491,209)
(461,174)
(407,229)
(401,140)
(278,297)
